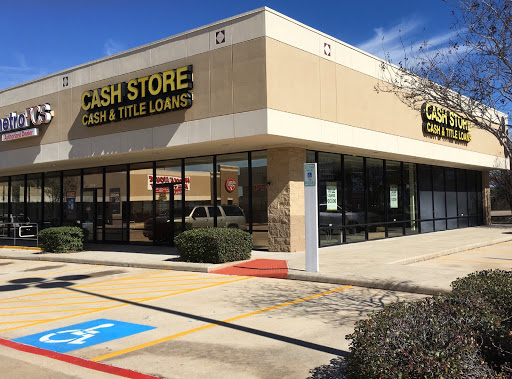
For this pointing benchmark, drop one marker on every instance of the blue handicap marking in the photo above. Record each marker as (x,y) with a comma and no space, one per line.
(82,335)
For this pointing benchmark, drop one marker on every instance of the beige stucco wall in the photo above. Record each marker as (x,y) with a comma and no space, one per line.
(226,81)
(305,84)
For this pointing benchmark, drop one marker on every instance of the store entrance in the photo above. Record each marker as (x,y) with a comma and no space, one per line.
(92,214)
(165,227)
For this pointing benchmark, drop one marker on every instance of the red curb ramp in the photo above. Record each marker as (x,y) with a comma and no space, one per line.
(265,268)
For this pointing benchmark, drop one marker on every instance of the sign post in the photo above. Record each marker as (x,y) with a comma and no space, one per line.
(311,213)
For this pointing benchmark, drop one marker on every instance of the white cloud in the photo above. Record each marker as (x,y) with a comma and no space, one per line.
(112,47)
(397,41)
(19,73)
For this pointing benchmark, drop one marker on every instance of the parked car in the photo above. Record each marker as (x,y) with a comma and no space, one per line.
(202,216)
(353,220)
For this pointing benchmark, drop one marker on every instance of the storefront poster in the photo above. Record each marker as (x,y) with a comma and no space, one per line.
(393,196)
(332,196)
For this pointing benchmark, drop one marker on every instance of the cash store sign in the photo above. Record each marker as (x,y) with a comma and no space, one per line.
(444,124)
(158,93)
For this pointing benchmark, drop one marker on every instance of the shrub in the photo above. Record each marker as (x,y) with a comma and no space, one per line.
(214,245)
(62,239)
(493,288)
(431,338)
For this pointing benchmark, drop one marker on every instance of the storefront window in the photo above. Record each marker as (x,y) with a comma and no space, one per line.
(354,198)
(410,196)
(394,199)
(330,191)
(472,198)
(425,194)
(116,204)
(169,200)
(52,199)
(92,206)
(17,199)
(233,190)
(141,203)
(462,198)
(259,199)
(376,199)
(438,186)
(199,210)
(4,206)
(451,198)
(34,199)
(71,198)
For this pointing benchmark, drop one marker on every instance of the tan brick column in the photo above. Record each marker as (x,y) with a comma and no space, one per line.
(486,198)
(286,199)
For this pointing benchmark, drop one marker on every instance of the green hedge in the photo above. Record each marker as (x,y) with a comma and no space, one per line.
(214,245)
(62,239)
(464,334)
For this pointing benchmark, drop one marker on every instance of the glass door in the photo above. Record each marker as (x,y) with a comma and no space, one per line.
(92,221)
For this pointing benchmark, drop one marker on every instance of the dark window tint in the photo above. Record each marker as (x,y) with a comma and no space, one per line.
(199,212)
(232,211)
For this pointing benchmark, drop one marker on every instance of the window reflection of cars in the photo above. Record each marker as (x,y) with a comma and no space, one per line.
(228,216)
(353,220)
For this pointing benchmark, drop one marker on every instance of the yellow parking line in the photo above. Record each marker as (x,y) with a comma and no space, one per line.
(58,289)
(151,343)
(156,281)
(467,260)
(119,305)
(52,273)
(157,272)
(66,304)
(135,287)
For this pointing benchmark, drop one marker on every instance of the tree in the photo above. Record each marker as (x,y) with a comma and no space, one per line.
(471,77)
(501,192)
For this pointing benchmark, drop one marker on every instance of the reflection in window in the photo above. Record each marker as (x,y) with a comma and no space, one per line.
(354,199)
(168,195)
(410,196)
(34,199)
(259,199)
(200,172)
(115,204)
(376,198)
(52,199)
(394,198)
(141,203)
(330,217)
(17,199)
(71,198)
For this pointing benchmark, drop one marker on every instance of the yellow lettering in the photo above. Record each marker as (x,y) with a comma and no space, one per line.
(159,105)
(143,82)
(105,96)
(151,86)
(95,99)
(167,105)
(133,91)
(175,102)
(142,108)
(183,78)
(185,100)
(168,80)
(86,102)
(116,94)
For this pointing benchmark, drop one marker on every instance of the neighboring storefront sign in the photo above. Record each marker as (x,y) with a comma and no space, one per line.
(332,196)
(393,196)
(168,179)
(158,93)
(70,200)
(445,124)
(230,184)
(26,123)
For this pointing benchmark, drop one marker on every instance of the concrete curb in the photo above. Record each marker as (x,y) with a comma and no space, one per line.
(366,283)
(437,254)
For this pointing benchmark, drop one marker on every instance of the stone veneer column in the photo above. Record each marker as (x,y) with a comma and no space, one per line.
(486,198)
(286,199)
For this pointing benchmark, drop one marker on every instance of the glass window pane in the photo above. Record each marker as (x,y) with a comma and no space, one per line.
(233,191)
(17,199)
(4,207)
(52,199)
(330,217)
(71,198)
(411,198)
(115,204)
(354,198)
(472,198)
(35,199)
(259,199)
(394,190)
(439,197)
(200,195)
(141,203)
(376,198)
(425,194)
(451,198)
(92,207)
(462,198)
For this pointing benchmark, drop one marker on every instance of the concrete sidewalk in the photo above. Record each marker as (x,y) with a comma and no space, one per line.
(384,264)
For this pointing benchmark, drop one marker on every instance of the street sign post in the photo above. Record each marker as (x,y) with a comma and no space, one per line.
(311,215)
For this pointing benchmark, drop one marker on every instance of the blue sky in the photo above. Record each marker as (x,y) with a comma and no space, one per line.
(40,38)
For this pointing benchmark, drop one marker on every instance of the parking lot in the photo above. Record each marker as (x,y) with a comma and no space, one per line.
(178,324)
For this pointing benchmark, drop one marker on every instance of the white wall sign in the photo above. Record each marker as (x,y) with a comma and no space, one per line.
(393,196)
(21,134)
(332,196)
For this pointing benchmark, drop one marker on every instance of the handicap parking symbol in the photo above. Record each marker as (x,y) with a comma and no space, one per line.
(82,335)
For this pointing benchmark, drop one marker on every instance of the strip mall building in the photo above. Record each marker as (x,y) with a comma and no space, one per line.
(225,116)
